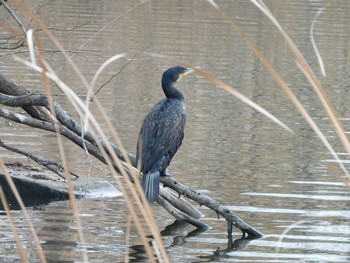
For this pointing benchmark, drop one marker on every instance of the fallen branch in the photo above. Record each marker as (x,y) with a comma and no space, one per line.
(36,105)
(52,166)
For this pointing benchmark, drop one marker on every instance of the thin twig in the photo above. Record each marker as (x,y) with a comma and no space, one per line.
(111,22)
(19,244)
(52,166)
(122,68)
(15,17)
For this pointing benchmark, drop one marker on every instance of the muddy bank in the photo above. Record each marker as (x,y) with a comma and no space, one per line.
(38,186)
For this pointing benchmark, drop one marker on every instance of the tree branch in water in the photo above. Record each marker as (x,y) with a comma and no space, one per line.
(36,105)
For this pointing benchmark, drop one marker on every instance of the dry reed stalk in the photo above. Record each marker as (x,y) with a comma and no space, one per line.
(77,104)
(38,247)
(285,88)
(67,175)
(310,75)
(14,229)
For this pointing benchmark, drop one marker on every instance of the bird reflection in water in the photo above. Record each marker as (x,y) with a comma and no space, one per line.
(177,232)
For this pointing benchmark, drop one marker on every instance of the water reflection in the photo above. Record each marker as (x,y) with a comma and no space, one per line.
(179,233)
(220,255)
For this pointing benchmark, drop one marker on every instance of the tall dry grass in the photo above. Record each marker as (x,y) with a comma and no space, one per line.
(309,74)
(136,202)
(314,82)
(139,209)
(305,68)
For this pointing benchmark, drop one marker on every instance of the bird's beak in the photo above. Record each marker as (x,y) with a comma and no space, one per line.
(189,71)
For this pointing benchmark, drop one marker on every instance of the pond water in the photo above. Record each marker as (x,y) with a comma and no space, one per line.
(287,186)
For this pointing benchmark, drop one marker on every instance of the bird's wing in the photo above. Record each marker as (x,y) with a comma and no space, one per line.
(162,129)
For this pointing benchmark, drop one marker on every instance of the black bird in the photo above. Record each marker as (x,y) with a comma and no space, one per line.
(161,133)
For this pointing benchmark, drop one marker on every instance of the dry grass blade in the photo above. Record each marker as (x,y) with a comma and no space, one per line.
(111,22)
(31,46)
(310,75)
(319,58)
(13,14)
(127,238)
(229,89)
(42,26)
(136,190)
(285,88)
(19,246)
(284,233)
(67,175)
(82,111)
(94,79)
(243,98)
(38,248)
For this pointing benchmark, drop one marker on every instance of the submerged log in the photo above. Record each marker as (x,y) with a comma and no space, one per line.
(39,186)
(37,107)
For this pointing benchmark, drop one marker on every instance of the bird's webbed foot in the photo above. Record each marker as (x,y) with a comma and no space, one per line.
(165,173)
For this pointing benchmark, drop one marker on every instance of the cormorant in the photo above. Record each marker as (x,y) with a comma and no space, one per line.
(161,133)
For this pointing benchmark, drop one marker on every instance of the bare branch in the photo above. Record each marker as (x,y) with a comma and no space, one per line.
(52,166)
(8,87)
(72,130)
(108,81)
(180,215)
(210,203)
(13,14)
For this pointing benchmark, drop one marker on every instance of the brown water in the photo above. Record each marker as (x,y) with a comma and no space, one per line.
(286,186)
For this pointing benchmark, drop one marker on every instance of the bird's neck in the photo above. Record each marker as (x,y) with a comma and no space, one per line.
(170,91)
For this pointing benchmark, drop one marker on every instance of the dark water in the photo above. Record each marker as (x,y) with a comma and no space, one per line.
(288,187)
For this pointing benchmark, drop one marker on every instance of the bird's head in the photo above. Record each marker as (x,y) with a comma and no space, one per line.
(176,73)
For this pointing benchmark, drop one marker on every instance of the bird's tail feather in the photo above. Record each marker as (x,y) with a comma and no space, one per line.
(150,185)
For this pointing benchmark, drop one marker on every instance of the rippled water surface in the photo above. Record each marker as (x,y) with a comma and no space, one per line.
(286,186)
